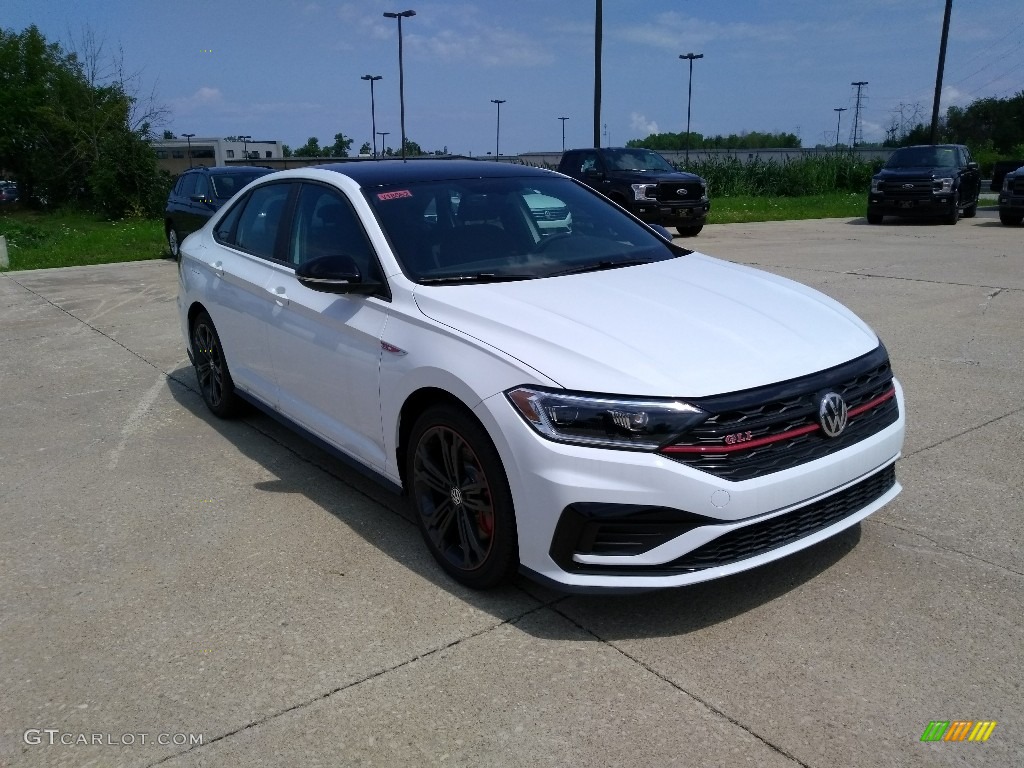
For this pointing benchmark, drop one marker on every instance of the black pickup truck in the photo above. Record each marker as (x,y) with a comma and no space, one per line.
(1011,198)
(644,183)
(937,180)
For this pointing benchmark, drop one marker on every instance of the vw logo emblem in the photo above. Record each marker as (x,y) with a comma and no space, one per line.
(681,192)
(456,493)
(832,414)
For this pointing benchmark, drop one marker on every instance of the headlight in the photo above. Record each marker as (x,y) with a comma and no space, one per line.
(875,184)
(640,191)
(604,422)
(942,185)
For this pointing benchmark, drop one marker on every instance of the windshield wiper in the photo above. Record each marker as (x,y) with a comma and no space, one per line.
(478,277)
(601,265)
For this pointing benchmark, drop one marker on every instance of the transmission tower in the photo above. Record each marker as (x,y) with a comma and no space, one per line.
(855,131)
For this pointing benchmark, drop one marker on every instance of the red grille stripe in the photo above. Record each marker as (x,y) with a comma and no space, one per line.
(852,413)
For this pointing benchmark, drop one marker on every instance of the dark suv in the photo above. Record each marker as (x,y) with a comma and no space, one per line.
(937,180)
(1011,198)
(644,183)
(198,194)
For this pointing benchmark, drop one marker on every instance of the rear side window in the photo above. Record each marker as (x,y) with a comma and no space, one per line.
(186,185)
(254,224)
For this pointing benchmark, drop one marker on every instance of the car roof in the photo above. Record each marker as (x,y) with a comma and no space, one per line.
(368,173)
(218,169)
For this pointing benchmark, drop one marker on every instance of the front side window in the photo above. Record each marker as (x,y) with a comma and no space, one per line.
(227,184)
(202,185)
(325,224)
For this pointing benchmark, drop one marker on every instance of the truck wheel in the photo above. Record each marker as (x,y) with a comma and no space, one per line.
(953,216)
(689,231)
(970,211)
(874,218)
(1011,219)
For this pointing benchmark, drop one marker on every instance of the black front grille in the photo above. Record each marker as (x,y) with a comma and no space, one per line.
(674,192)
(756,539)
(907,187)
(786,414)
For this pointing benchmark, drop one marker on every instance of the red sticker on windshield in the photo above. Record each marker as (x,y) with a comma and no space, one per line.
(394,195)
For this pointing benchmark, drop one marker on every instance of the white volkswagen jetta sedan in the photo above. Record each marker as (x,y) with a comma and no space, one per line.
(593,405)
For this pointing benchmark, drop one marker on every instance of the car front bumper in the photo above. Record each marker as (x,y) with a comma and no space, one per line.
(552,482)
(671,214)
(936,205)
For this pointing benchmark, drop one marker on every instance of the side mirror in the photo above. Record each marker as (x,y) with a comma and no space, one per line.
(972,165)
(201,199)
(334,274)
(662,231)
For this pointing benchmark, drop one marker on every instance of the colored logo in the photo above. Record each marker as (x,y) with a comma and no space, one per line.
(958,730)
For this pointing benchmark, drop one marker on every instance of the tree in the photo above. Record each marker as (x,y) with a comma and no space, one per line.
(169,135)
(310,149)
(365,149)
(70,137)
(340,146)
(286,150)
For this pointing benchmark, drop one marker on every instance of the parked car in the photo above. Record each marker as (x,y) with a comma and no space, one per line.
(999,170)
(932,180)
(8,192)
(198,194)
(1011,198)
(597,407)
(644,183)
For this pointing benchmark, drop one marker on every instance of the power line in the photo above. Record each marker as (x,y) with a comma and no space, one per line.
(856,114)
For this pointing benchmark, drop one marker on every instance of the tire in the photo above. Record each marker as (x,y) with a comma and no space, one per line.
(689,231)
(215,384)
(173,242)
(874,218)
(1011,219)
(953,216)
(970,211)
(461,499)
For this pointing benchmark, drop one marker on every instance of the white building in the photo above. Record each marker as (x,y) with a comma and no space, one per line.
(176,155)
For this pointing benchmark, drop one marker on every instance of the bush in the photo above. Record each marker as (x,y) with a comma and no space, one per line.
(816,175)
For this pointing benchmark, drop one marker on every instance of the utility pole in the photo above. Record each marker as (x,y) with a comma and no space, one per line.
(563,119)
(856,114)
(598,36)
(938,75)
(497,134)
(839,119)
(689,98)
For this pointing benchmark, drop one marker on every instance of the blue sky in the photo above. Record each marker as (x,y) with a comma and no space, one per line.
(290,69)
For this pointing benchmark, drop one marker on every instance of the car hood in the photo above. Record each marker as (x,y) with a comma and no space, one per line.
(916,173)
(652,177)
(687,327)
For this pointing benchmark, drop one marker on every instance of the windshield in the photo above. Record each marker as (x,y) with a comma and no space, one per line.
(923,157)
(636,160)
(226,184)
(486,230)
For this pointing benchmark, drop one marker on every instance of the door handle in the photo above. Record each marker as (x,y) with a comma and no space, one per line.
(218,268)
(280,295)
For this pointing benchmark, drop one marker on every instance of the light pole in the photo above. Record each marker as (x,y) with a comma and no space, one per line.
(689,98)
(401,71)
(382,134)
(839,118)
(563,119)
(245,146)
(188,137)
(497,138)
(373,111)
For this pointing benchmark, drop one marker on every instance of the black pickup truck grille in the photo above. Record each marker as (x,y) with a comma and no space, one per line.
(676,192)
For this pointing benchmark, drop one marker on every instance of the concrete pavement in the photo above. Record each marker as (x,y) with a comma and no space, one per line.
(168,577)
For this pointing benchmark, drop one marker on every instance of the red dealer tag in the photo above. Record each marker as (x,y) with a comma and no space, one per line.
(394,195)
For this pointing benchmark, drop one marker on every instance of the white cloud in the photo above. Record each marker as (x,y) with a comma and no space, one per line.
(642,125)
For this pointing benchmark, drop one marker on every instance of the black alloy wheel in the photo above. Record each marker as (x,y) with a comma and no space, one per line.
(461,499)
(215,384)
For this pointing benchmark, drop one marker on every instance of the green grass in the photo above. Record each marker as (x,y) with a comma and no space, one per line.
(743,208)
(72,238)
